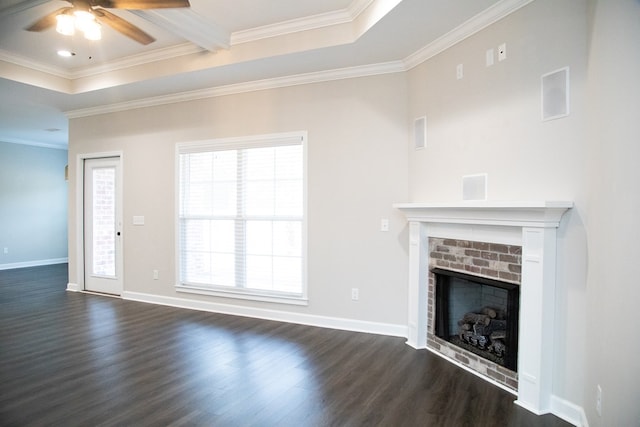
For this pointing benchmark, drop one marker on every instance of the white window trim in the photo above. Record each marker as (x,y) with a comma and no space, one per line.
(253,141)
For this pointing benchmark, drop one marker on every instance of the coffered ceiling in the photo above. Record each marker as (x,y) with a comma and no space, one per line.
(213,47)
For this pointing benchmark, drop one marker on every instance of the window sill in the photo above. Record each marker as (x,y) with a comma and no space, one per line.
(245,295)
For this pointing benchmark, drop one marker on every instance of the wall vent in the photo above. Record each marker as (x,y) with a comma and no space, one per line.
(474,187)
(555,94)
(420,132)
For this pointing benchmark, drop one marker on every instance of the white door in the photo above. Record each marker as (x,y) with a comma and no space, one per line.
(102,226)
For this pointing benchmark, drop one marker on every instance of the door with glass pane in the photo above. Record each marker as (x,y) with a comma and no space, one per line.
(102,226)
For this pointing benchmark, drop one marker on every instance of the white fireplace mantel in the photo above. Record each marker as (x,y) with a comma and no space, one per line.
(530,224)
(518,214)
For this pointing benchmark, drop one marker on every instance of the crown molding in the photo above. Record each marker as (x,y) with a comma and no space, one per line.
(292,26)
(357,7)
(257,85)
(321,20)
(52,145)
(137,60)
(466,29)
(126,62)
(33,65)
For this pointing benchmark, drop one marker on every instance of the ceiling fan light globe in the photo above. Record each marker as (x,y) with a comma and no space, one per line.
(93,31)
(84,19)
(65,24)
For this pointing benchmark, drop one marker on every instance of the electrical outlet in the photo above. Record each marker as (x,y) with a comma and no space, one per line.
(6,250)
(384,224)
(155,274)
(355,294)
(599,400)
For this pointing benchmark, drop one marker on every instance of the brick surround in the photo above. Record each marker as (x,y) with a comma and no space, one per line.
(491,260)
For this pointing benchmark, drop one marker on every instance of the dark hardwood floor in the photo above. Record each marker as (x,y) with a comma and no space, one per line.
(73,359)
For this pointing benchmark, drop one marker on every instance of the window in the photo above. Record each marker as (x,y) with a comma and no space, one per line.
(241,210)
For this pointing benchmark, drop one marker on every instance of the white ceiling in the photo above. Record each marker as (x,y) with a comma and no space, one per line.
(216,46)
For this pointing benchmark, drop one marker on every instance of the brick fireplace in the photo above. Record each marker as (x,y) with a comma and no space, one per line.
(495,262)
(471,237)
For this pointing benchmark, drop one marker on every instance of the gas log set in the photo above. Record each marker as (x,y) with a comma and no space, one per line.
(485,330)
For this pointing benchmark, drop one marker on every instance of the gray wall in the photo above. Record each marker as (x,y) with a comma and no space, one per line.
(357,167)
(612,355)
(33,205)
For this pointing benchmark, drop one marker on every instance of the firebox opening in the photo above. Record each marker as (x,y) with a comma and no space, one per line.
(478,314)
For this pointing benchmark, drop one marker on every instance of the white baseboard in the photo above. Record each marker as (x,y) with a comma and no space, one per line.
(36,263)
(568,411)
(281,316)
(73,287)
(531,408)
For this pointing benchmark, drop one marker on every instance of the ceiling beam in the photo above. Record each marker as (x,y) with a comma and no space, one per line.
(186,23)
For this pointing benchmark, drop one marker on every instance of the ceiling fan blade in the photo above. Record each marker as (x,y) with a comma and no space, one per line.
(140,4)
(123,26)
(47,21)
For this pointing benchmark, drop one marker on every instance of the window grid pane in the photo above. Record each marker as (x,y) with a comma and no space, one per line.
(241,214)
(104,222)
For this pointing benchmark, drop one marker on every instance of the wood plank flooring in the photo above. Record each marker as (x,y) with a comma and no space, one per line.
(73,359)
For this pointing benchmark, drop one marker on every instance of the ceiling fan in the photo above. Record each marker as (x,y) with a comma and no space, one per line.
(86,16)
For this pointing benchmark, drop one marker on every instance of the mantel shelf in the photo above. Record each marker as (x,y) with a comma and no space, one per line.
(543,213)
